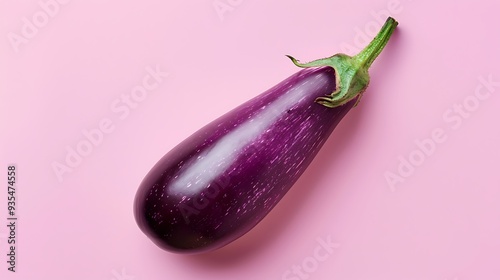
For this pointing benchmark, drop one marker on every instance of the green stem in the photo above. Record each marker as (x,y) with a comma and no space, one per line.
(366,57)
(351,72)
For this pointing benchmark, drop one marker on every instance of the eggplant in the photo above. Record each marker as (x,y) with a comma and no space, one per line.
(224,179)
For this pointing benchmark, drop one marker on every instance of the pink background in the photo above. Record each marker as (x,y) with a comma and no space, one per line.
(440,221)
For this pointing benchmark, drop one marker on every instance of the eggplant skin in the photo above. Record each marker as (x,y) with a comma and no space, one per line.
(221,181)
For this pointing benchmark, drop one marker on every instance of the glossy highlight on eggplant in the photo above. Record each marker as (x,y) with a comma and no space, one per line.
(224,179)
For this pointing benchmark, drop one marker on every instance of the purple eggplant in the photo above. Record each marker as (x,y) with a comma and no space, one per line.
(221,181)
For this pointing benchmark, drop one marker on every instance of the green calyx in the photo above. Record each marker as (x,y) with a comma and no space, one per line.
(351,73)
